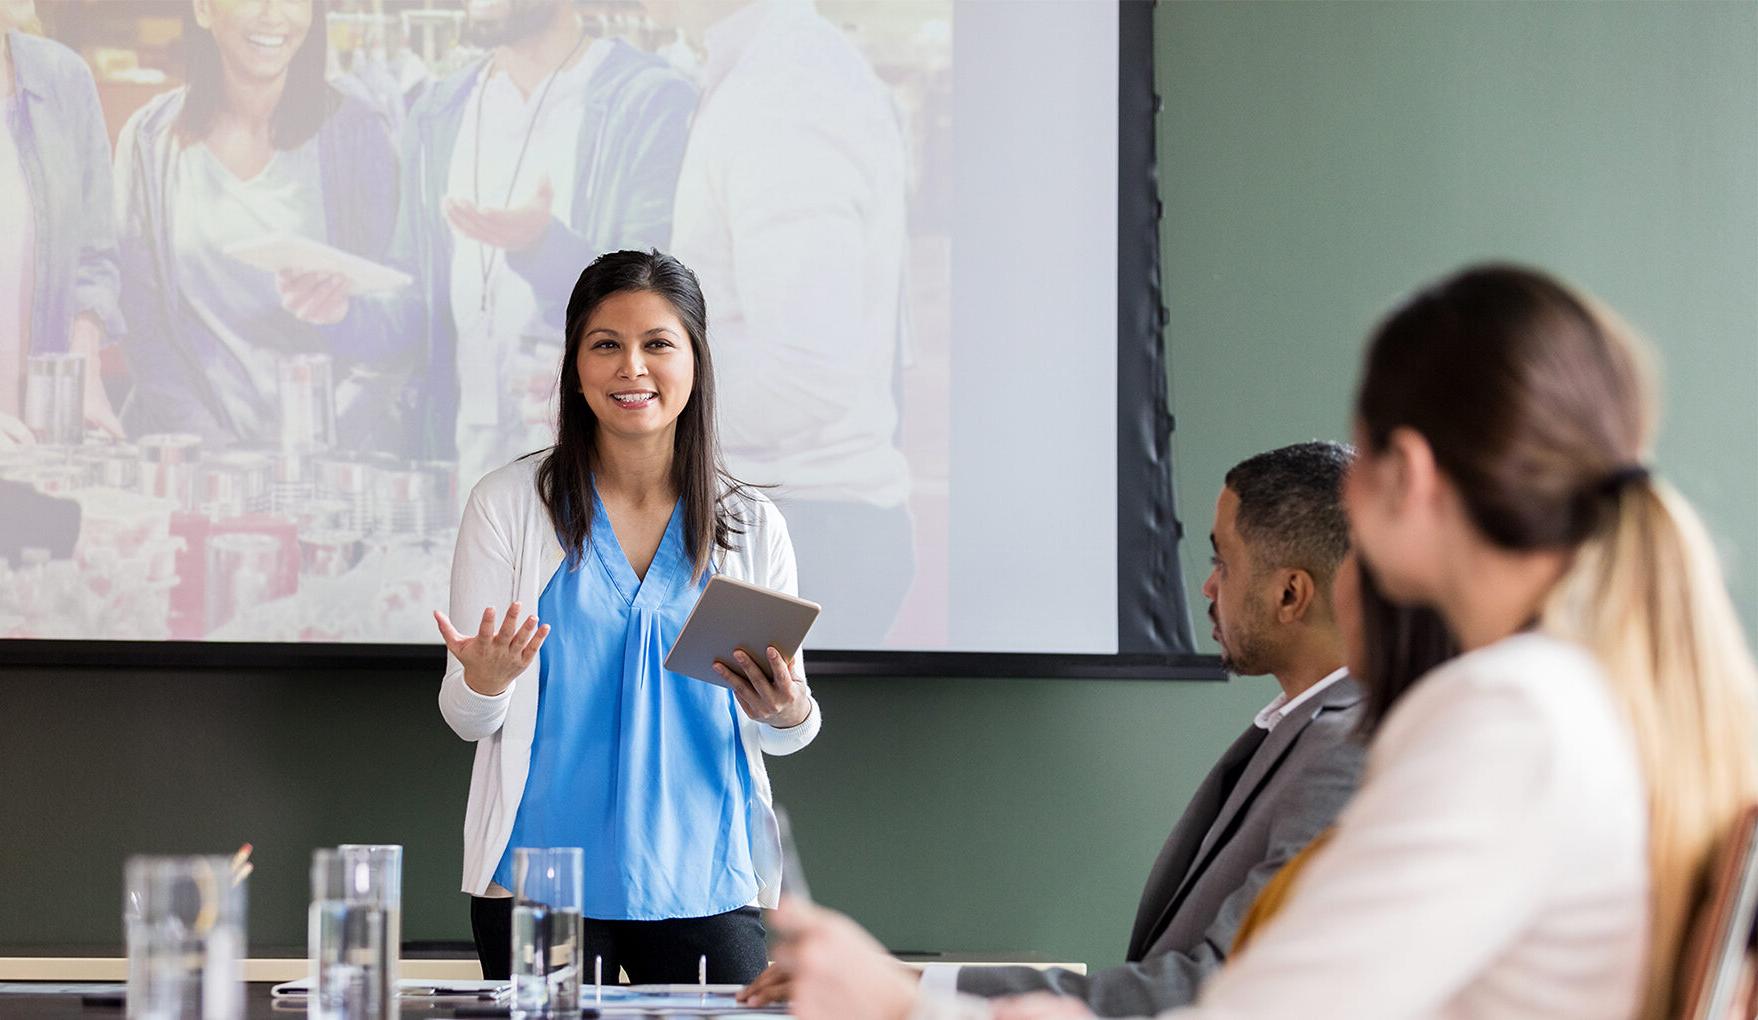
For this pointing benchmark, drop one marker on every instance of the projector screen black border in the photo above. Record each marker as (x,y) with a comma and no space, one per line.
(1153,614)
(1154,637)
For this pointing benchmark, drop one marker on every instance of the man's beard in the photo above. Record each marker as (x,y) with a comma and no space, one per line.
(1240,661)
(525,18)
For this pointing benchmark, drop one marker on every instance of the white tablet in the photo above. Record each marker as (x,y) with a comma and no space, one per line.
(731,615)
(292,252)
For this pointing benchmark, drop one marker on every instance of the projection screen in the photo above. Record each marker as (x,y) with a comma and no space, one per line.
(252,377)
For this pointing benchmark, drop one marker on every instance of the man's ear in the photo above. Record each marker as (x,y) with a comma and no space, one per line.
(1298,594)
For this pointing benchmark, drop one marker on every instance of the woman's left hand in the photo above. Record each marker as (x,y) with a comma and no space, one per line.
(769,692)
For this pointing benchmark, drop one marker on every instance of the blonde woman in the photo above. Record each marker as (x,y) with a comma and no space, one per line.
(1538,814)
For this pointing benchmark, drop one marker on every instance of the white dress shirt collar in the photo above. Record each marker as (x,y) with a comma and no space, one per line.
(1284,706)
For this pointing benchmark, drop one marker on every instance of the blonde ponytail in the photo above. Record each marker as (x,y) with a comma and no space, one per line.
(1646,596)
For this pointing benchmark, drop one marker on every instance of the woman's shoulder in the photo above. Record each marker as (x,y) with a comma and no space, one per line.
(752,508)
(155,117)
(351,114)
(1534,690)
(1542,668)
(510,486)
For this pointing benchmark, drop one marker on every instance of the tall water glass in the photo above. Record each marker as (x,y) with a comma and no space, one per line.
(385,864)
(349,941)
(547,897)
(184,920)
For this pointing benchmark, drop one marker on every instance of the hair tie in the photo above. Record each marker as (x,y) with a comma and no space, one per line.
(1629,474)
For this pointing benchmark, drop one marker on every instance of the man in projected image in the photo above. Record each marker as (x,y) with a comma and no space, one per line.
(519,170)
(1279,537)
(790,206)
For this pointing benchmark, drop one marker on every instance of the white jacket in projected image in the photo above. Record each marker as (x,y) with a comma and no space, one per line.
(507,552)
(790,210)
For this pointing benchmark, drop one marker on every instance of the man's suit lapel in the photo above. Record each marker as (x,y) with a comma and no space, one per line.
(1181,846)
(1263,765)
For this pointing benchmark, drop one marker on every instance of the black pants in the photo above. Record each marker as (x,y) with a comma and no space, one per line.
(650,952)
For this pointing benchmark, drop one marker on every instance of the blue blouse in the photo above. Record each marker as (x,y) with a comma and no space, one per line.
(640,767)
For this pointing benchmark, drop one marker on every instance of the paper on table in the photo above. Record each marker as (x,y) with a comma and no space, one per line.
(410,988)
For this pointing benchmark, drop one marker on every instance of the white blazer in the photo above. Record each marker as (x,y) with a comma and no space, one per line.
(507,552)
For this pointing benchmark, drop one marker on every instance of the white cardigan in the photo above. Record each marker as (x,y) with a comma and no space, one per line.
(507,552)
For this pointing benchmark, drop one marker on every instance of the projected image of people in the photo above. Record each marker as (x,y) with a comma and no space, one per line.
(332,293)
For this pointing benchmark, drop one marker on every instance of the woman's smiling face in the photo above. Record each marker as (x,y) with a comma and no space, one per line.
(256,38)
(637,368)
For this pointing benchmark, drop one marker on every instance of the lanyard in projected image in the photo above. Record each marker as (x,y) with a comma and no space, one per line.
(486,255)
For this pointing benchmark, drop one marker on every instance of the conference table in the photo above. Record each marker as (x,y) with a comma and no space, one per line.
(263,972)
(258,1006)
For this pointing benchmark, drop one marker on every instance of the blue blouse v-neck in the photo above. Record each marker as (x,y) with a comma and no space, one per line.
(640,767)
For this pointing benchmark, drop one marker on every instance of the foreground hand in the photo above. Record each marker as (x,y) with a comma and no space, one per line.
(769,693)
(774,985)
(494,658)
(1040,1006)
(512,229)
(317,297)
(837,970)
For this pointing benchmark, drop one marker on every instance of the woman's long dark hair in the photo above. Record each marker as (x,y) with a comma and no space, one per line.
(1401,645)
(306,101)
(564,480)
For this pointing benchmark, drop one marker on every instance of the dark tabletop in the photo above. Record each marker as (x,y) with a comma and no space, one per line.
(258,1006)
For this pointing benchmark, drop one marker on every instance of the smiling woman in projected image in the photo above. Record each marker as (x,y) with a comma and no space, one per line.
(255,144)
(582,738)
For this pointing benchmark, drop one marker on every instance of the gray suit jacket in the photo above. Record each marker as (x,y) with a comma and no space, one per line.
(1291,785)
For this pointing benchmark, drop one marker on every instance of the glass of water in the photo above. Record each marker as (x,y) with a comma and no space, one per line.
(385,864)
(547,896)
(184,918)
(350,941)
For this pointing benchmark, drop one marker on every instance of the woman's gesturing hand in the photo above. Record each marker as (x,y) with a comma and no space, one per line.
(768,692)
(493,657)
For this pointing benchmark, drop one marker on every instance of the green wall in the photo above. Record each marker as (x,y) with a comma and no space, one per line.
(1318,160)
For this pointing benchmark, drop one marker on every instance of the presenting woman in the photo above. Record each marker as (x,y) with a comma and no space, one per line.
(583,739)
(256,145)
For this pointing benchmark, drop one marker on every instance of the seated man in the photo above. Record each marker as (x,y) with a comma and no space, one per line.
(1279,535)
